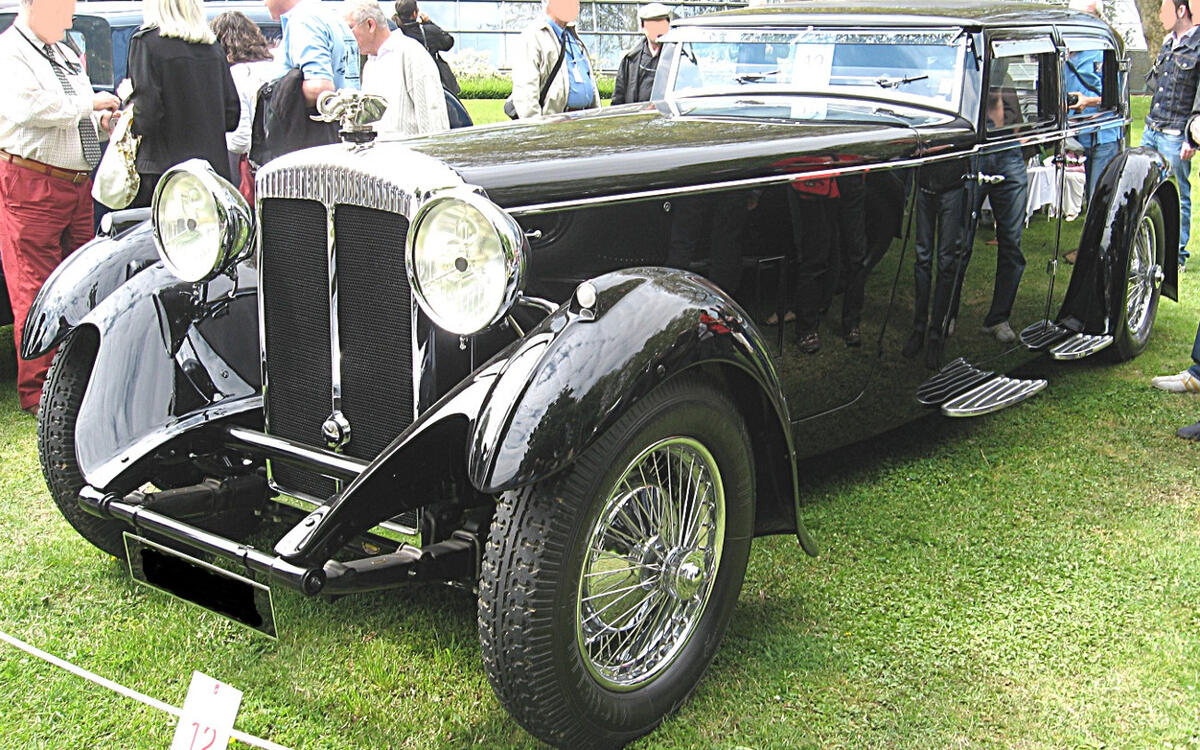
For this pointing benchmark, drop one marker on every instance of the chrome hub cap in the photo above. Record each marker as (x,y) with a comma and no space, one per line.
(1144,278)
(651,560)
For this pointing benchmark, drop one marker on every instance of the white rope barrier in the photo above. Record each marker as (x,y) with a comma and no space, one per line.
(248,739)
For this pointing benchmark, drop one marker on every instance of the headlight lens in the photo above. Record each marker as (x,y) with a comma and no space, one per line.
(465,261)
(201,223)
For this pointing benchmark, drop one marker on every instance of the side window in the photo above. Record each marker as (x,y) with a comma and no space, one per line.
(1022,86)
(1090,76)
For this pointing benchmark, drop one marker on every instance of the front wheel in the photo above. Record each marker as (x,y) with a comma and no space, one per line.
(1143,284)
(605,590)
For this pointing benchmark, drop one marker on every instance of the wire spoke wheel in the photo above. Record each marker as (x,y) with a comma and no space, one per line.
(651,560)
(1143,280)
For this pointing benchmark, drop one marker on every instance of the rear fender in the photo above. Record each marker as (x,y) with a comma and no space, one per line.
(1096,290)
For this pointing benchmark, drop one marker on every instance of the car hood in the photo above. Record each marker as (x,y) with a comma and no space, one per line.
(640,148)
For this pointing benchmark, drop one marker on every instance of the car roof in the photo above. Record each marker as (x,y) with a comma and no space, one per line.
(968,13)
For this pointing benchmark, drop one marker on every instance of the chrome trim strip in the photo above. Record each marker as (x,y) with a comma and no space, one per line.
(335,337)
(783,179)
(334,463)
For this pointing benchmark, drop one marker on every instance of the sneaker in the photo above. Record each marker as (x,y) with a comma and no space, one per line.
(1002,331)
(1191,432)
(914,344)
(810,343)
(1184,382)
(1182,267)
(853,337)
(31,410)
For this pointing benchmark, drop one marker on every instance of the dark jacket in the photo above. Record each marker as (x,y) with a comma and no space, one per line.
(184,101)
(635,76)
(283,120)
(1173,81)
(430,36)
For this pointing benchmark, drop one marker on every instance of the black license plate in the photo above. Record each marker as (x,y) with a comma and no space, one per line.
(236,597)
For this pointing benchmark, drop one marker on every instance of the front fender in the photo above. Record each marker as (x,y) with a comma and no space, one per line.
(646,326)
(1096,290)
(535,407)
(82,281)
(173,356)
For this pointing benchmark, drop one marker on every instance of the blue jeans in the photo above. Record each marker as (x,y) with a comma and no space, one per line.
(1195,369)
(940,241)
(1168,146)
(1008,200)
(1098,157)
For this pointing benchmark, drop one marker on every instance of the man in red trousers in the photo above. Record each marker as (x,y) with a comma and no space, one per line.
(50,128)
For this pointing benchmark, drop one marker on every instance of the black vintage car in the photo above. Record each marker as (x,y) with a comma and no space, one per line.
(573,361)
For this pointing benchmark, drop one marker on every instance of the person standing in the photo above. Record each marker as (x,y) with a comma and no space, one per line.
(1084,82)
(250,66)
(50,129)
(416,26)
(183,99)
(1174,78)
(398,69)
(551,74)
(316,42)
(635,76)
(1187,381)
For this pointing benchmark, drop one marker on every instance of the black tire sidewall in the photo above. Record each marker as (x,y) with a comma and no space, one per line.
(706,415)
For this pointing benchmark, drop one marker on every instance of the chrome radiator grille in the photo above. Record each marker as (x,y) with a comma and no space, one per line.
(337,329)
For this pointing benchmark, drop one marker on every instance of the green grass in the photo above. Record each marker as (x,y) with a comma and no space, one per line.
(1029,579)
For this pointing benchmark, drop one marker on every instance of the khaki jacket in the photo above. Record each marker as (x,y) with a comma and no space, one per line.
(540,49)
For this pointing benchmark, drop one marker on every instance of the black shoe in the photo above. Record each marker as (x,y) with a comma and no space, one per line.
(933,353)
(853,337)
(810,343)
(1191,432)
(914,344)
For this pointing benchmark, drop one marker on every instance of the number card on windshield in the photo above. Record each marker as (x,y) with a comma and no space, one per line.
(208,715)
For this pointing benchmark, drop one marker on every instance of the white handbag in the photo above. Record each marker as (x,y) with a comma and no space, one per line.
(116,182)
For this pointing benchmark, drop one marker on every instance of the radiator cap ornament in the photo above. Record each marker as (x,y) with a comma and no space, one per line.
(336,431)
(355,112)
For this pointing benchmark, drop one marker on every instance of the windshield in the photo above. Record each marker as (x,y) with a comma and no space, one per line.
(917,67)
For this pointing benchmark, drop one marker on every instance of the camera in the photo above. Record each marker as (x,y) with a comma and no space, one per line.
(1072,99)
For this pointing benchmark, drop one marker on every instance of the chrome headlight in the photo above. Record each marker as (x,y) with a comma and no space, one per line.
(202,224)
(465,260)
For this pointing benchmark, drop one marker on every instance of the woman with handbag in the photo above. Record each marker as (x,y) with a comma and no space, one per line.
(183,94)
(251,65)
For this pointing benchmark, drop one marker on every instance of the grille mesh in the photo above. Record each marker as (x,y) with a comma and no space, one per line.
(374,316)
(374,328)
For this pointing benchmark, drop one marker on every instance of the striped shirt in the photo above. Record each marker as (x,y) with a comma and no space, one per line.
(39,120)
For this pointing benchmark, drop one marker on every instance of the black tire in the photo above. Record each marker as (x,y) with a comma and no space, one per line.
(62,395)
(1138,301)
(532,601)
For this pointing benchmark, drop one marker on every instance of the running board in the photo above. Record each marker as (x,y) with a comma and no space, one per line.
(1044,334)
(1081,345)
(954,378)
(996,394)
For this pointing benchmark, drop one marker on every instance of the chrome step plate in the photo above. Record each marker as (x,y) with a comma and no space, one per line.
(1080,345)
(954,378)
(1043,334)
(996,394)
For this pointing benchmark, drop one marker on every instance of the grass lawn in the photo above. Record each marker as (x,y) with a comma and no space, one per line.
(1028,579)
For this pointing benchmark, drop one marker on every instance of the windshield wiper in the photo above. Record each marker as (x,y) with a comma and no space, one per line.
(755,77)
(891,83)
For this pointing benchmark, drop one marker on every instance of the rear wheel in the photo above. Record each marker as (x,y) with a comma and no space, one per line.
(1143,282)
(605,591)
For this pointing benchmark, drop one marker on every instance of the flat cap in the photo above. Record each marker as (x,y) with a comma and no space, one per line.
(651,11)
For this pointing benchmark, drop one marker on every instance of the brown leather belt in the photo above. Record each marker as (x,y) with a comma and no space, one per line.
(73,176)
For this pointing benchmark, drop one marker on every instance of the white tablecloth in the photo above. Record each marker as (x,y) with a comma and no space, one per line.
(1043,191)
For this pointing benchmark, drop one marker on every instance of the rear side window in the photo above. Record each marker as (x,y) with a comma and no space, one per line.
(1090,70)
(90,37)
(1022,86)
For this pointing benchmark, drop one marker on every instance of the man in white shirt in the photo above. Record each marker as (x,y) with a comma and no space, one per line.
(400,70)
(50,129)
